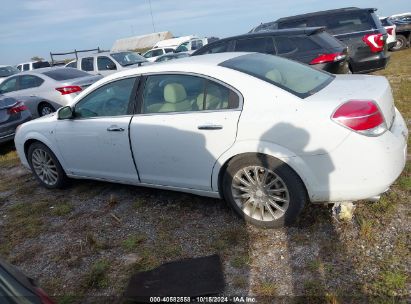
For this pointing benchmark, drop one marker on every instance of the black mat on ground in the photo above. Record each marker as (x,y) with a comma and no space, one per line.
(189,277)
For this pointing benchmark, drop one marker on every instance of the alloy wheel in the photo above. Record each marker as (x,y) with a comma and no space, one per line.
(260,193)
(44,167)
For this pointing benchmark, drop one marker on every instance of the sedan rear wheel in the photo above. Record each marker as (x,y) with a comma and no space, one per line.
(45,109)
(264,191)
(45,166)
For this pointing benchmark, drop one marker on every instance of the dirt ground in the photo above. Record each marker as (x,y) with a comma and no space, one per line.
(83,243)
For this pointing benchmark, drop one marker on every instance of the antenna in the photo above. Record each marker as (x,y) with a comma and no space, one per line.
(152,19)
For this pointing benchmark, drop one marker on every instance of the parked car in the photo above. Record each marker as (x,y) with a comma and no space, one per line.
(360,29)
(312,46)
(265,133)
(17,288)
(13,112)
(153,54)
(55,87)
(390,28)
(171,56)
(6,71)
(32,65)
(403,30)
(190,45)
(106,63)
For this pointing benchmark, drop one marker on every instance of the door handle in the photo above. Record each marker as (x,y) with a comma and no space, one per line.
(115,129)
(210,127)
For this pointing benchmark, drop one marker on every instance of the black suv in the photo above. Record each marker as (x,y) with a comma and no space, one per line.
(312,46)
(360,29)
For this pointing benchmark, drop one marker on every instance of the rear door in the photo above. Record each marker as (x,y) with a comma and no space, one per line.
(186,123)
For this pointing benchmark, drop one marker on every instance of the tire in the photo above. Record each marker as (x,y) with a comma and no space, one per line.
(45,109)
(400,44)
(42,159)
(269,171)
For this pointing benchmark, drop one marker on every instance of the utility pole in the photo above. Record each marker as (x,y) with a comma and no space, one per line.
(152,19)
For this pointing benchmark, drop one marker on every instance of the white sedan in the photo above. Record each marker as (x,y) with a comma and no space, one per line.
(265,133)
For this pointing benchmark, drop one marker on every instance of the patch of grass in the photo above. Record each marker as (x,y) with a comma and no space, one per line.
(314,288)
(265,288)
(240,281)
(366,228)
(229,238)
(9,159)
(148,260)
(62,209)
(97,276)
(240,261)
(390,283)
(314,265)
(131,243)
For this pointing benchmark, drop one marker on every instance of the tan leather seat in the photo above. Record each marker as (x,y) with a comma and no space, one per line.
(214,99)
(175,97)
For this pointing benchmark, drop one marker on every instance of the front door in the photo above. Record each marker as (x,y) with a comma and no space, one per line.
(95,143)
(187,123)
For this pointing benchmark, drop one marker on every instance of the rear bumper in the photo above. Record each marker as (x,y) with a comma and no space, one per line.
(340,67)
(361,167)
(8,130)
(375,62)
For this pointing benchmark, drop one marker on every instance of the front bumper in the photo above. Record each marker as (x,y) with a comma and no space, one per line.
(361,167)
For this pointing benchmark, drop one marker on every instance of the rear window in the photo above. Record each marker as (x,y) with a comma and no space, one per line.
(291,76)
(286,45)
(255,44)
(65,74)
(41,64)
(327,40)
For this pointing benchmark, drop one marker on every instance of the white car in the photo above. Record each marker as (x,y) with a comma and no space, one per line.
(32,65)
(265,133)
(6,71)
(390,28)
(106,63)
(153,54)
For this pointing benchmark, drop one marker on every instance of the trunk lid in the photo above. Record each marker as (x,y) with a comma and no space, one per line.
(358,87)
(5,105)
(83,82)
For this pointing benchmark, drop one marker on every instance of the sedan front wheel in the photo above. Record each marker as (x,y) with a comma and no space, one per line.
(264,191)
(45,166)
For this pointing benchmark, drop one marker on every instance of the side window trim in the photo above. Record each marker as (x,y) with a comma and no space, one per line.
(139,103)
(131,102)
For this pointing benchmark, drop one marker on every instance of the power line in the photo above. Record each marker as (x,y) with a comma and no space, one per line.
(152,19)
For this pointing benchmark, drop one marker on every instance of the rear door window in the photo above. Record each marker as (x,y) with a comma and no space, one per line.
(156,53)
(30,81)
(41,64)
(104,63)
(255,44)
(284,45)
(87,64)
(26,67)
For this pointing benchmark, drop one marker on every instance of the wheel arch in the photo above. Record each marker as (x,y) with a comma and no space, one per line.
(266,149)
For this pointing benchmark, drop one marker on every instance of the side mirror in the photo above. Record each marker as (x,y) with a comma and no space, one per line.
(65,113)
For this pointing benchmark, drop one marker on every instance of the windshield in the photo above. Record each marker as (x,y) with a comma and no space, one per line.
(8,71)
(294,77)
(128,58)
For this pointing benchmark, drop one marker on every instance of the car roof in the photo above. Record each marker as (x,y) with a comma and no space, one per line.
(291,31)
(41,70)
(192,62)
(318,13)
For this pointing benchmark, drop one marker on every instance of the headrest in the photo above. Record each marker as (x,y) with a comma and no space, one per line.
(174,92)
(274,75)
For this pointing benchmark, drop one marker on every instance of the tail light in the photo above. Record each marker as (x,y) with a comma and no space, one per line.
(68,90)
(17,108)
(375,42)
(390,30)
(322,58)
(362,116)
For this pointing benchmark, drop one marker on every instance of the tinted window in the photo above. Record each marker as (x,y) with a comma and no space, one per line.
(41,64)
(128,58)
(9,85)
(65,74)
(181,93)
(284,45)
(216,48)
(257,44)
(291,76)
(109,100)
(169,50)
(19,67)
(196,44)
(181,48)
(104,63)
(87,64)
(293,23)
(30,81)
(155,53)
(304,44)
(346,22)
(148,54)
(72,64)
(26,67)
(8,71)
(326,40)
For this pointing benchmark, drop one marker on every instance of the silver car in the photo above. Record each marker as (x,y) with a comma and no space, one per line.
(54,87)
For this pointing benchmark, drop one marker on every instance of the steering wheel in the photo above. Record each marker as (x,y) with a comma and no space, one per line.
(114,106)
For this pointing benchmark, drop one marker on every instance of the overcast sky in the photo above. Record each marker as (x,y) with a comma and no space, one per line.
(36,27)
